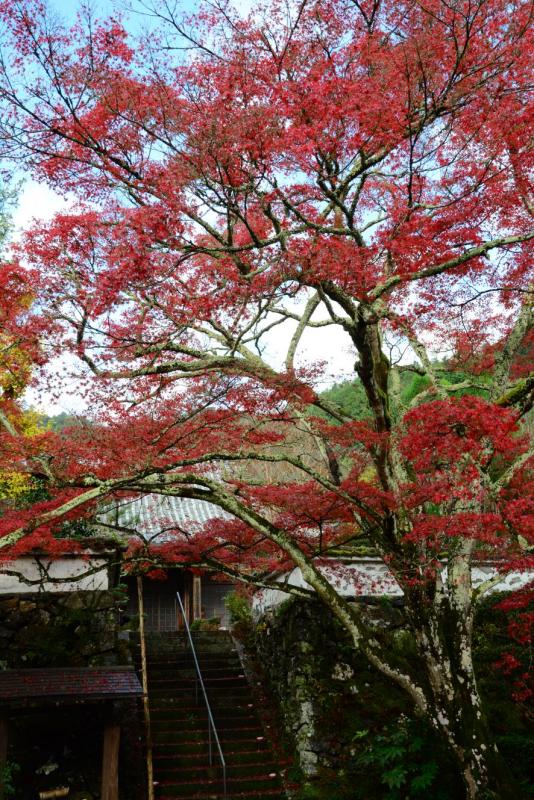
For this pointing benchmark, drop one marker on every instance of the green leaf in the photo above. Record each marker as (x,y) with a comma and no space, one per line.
(385,755)
(416,744)
(395,778)
(425,777)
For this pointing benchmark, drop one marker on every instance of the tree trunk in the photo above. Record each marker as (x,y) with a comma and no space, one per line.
(440,615)
(455,708)
(463,725)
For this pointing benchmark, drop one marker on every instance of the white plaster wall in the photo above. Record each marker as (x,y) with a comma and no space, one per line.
(370,577)
(59,568)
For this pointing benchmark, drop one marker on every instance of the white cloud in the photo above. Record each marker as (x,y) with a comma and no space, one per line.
(59,389)
(37,202)
(330,345)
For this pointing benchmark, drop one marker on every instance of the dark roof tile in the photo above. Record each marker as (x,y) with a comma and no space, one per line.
(87,683)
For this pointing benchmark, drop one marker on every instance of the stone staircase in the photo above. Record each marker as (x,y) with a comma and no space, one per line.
(180,727)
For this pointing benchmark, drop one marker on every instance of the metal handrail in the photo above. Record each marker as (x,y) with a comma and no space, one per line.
(200,680)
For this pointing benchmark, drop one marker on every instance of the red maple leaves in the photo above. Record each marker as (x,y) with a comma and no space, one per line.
(363,169)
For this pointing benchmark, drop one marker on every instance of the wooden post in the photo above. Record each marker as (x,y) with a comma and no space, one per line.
(110,763)
(146,707)
(3,751)
(186,599)
(197,597)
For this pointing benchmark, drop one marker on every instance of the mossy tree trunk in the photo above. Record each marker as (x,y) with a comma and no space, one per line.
(454,706)
(439,611)
(441,681)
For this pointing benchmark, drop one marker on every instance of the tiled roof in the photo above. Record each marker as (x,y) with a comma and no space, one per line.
(80,683)
(154,515)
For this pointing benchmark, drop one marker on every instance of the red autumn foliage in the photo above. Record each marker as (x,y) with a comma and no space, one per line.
(311,167)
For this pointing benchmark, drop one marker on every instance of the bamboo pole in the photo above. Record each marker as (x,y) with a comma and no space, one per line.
(146,708)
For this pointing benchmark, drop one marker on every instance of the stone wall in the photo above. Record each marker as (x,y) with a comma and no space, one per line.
(324,687)
(354,730)
(61,745)
(72,629)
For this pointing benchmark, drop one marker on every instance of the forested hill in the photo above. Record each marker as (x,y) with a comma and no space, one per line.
(350,395)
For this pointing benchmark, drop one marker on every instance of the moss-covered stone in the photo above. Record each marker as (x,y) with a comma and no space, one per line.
(71,629)
(354,730)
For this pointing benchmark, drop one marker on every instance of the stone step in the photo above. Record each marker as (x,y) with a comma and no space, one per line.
(209,639)
(194,721)
(190,673)
(233,758)
(176,646)
(228,715)
(173,660)
(170,685)
(200,771)
(170,664)
(224,733)
(186,702)
(199,637)
(173,708)
(217,794)
(185,653)
(200,745)
(217,695)
(180,726)
(233,785)
(167,672)
(161,710)
(233,742)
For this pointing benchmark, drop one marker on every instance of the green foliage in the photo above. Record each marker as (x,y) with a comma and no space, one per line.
(511,721)
(350,397)
(240,612)
(8,198)
(412,384)
(401,760)
(63,420)
(205,624)
(36,492)
(8,773)
(324,789)
(77,529)
(452,378)
(238,607)
(370,754)
(120,593)
(70,638)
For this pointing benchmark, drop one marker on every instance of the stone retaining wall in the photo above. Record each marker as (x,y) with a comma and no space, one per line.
(72,629)
(322,684)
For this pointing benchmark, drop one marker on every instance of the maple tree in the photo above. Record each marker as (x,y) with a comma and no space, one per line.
(363,166)
(19,353)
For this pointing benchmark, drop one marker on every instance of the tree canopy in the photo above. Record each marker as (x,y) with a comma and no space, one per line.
(238,183)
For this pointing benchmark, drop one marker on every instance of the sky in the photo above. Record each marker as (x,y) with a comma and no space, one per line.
(69,8)
(329,345)
(37,202)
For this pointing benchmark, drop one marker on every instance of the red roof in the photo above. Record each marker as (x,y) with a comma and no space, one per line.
(79,683)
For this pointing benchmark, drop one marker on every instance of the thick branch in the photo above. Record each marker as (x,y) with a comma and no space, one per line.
(446,266)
